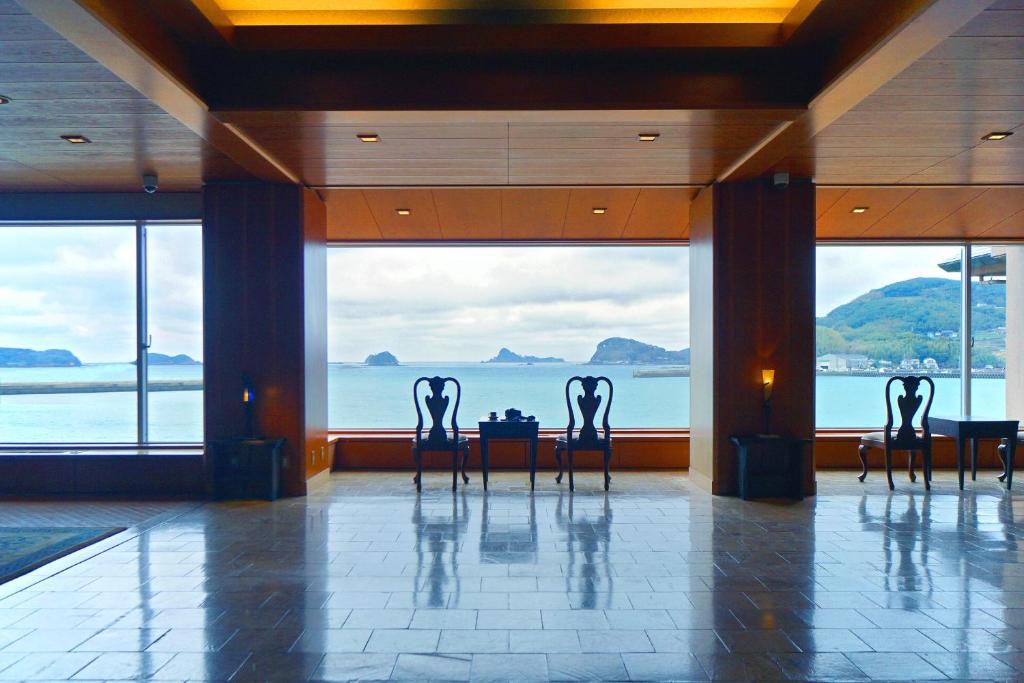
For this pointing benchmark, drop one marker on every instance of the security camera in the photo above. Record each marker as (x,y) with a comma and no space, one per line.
(780,180)
(149,183)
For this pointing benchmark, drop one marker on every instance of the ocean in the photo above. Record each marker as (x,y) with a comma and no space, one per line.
(381,397)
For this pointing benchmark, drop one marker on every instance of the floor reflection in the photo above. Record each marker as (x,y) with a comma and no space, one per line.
(653,581)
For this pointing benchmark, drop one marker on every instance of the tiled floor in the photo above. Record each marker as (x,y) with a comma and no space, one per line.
(654,581)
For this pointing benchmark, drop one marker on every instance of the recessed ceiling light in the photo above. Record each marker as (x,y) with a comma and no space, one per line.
(648,137)
(403,212)
(859,209)
(368,137)
(76,139)
(4,99)
(998,135)
(599,210)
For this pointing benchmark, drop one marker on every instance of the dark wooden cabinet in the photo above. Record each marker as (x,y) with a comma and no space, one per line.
(246,468)
(770,466)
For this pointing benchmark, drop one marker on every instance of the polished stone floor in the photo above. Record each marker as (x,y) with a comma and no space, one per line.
(654,581)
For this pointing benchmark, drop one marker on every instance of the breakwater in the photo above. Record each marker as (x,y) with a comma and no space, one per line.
(24,388)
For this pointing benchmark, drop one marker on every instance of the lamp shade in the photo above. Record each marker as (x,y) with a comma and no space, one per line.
(768,380)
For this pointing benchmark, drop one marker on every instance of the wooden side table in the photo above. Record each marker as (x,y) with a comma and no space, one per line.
(770,466)
(970,428)
(246,468)
(509,429)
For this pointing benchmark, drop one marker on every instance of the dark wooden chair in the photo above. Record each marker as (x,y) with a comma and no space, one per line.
(906,437)
(586,438)
(1001,449)
(438,438)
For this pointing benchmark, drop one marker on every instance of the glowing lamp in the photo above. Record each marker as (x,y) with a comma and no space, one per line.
(248,399)
(768,382)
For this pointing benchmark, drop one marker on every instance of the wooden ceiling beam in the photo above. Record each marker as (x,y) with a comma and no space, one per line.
(123,37)
(864,62)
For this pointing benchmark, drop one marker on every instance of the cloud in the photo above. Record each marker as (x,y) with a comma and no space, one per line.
(463,303)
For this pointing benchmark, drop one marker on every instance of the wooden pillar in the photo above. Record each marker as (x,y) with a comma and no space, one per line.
(265,316)
(751,308)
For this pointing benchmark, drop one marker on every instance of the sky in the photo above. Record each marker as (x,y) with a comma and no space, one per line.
(74,288)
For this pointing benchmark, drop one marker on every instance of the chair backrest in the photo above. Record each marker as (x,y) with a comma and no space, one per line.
(909,403)
(437,406)
(589,402)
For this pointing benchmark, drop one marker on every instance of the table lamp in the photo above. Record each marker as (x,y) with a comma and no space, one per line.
(768,381)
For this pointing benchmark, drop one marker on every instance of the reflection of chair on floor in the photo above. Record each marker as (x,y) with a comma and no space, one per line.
(586,438)
(1002,449)
(438,541)
(588,571)
(437,438)
(906,437)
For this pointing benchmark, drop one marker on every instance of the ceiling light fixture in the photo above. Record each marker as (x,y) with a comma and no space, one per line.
(76,139)
(403,212)
(998,135)
(859,209)
(599,210)
(4,99)
(368,137)
(648,137)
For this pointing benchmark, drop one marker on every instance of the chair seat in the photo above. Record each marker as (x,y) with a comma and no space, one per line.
(878,439)
(449,443)
(601,441)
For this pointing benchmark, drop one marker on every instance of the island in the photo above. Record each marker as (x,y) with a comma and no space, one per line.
(164,359)
(28,358)
(384,358)
(507,356)
(623,351)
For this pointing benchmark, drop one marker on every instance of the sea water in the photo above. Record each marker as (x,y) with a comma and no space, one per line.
(381,397)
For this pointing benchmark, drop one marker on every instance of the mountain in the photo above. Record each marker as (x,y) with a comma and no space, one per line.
(383,358)
(164,359)
(506,356)
(622,351)
(27,358)
(918,318)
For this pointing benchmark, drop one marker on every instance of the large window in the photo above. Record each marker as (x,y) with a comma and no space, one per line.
(75,315)
(888,310)
(512,324)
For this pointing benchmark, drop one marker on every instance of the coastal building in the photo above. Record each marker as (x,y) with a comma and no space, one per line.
(235,235)
(842,362)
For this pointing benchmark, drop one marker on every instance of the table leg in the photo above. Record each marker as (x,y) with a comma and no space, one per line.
(483,459)
(1010,451)
(974,459)
(533,461)
(960,460)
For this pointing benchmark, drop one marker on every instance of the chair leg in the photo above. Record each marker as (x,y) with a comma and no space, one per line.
(561,469)
(455,470)
(607,463)
(572,485)
(419,468)
(465,461)
(862,450)
(926,455)
(910,466)
(888,467)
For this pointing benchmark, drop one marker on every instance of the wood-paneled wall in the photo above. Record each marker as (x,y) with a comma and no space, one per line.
(751,307)
(265,315)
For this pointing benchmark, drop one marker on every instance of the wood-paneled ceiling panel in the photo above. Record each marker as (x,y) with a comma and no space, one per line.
(509,213)
(533,213)
(56,89)
(924,213)
(926,125)
(597,148)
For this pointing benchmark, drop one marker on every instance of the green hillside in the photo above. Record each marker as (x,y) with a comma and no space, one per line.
(917,318)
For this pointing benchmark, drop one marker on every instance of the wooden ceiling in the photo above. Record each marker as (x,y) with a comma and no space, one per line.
(55,89)
(508,148)
(925,125)
(511,213)
(537,213)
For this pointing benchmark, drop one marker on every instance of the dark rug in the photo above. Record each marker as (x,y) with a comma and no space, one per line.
(23,549)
